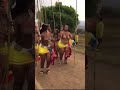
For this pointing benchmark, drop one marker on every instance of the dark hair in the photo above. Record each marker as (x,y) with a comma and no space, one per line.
(21,7)
(64,26)
(44,28)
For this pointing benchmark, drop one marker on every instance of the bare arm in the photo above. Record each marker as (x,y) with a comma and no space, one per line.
(60,34)
(71,36)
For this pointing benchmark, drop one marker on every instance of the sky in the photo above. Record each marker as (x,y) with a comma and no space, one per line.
(80,6)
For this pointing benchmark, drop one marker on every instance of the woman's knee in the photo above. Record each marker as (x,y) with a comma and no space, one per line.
(48,56)
(62,50)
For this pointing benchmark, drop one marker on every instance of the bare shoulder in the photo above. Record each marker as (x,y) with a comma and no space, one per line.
(69,33)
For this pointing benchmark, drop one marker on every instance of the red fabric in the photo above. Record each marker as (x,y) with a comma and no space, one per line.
(68,52)
(53,55)
(37,58)
(10,77)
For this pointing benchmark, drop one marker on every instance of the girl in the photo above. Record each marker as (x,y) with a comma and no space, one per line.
(45,48)
(21,55)
(63,44)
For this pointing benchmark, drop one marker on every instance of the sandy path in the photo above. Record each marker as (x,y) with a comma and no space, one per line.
(63,76)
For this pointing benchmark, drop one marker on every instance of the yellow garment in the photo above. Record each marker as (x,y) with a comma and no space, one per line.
(42,49)
(71,42)
(36,48)
(61,45)
(19,57)
(3,50)
(99,29)
(76,38)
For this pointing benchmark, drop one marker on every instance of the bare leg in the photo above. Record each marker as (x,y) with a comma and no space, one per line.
(48,55)
(48,59)
(61,53)
(65,58)
(42,63)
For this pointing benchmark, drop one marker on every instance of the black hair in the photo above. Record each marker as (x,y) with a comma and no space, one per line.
(64,26)
(21,7)
(44,28)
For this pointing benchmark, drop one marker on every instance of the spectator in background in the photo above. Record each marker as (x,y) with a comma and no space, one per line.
(99,30)
(90,43)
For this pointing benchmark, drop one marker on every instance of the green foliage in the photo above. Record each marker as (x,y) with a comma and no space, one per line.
(68,16)
(38,15)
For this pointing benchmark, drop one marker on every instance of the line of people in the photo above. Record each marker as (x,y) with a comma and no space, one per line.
(50,46)
(19,59)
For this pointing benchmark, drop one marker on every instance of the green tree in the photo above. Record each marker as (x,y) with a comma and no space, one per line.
(68,16)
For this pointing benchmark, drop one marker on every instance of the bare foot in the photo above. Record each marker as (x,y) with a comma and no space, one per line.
(47,70)
(65,62)
(42,71)
(60,62)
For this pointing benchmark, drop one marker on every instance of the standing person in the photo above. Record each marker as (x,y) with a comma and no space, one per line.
(76,37)
(90,43)
(99,31)
(21,55)
(63,44)
(56,32)
(56,39)
(45,48)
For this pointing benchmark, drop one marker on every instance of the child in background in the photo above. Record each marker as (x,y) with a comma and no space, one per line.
(99,31)
(76,38)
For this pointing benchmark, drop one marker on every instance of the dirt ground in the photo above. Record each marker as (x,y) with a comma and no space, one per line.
(70,76)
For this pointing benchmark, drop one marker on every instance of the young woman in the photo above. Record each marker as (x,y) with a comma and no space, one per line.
(21,56)
(45,48)
(63,43)
(76,37)
(56,39)
(56,32)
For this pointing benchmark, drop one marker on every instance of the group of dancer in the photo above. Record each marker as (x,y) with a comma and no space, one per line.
(17,46)
(50,46)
